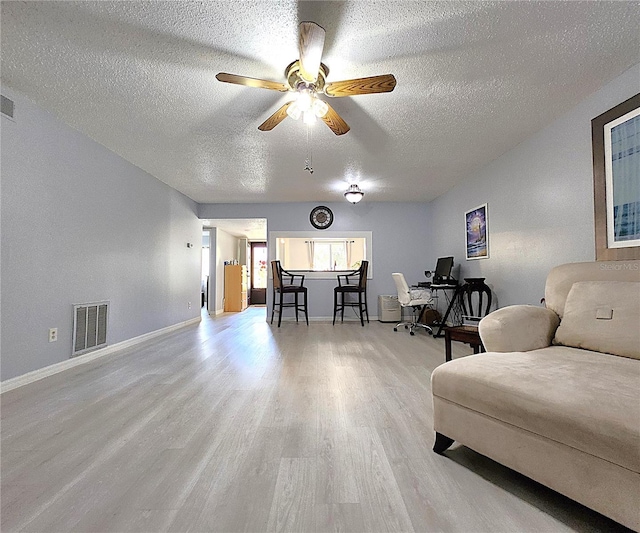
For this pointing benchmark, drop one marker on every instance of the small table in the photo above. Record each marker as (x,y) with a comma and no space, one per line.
(466,334)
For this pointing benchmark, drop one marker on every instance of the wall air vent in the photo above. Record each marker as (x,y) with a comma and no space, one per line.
(7,107)
(89,327)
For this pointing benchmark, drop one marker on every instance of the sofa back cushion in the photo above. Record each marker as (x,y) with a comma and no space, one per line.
(603,316)
(561,278)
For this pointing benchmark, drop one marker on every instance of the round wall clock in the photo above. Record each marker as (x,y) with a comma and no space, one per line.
(321,217)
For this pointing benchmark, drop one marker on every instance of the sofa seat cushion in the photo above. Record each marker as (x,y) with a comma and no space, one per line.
(587,400)
(603,316)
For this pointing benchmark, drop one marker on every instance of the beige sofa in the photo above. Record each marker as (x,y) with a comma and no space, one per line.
(557,396)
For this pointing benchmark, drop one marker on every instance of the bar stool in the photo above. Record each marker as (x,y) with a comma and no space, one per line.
(359,288)
(280,288)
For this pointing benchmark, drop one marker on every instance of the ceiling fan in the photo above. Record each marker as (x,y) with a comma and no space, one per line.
(307,78)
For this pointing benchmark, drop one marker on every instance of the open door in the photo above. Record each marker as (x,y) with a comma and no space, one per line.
(258,273)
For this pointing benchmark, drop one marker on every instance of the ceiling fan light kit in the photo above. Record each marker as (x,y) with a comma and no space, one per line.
(353,194)
(308,106)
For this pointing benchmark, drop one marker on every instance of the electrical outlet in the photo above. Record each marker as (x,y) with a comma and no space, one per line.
(189,305)
(53,334)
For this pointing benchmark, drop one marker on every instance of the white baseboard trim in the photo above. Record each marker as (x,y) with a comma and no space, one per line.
(41,373)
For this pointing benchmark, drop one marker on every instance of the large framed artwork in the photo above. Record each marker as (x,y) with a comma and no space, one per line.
(477,232)
(616,181)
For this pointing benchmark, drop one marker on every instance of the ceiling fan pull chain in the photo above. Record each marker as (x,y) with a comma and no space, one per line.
(309,161)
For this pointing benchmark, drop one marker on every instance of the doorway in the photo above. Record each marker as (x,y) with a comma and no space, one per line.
(258,273)
(204,277)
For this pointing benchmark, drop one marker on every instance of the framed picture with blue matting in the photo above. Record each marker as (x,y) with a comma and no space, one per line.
(477,233)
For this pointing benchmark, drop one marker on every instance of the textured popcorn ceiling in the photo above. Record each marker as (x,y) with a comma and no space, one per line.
(474,80)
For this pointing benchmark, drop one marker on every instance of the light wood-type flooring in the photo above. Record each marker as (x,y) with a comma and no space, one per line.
(236,425)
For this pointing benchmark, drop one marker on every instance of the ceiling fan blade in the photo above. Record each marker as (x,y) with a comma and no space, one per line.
(275,119)
(335,122)
(310,44)
(251,82)
(375,84)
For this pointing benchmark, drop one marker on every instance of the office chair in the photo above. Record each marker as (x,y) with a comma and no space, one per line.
(281,288)
(416,299)
(346,287)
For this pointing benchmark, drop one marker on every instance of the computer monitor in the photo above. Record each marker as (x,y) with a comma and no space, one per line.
(443,269)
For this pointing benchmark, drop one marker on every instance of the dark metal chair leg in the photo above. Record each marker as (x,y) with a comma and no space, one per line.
(296,304)
(366,305)
(335,306)
(280,312)
(442,443)
(361,308)
(306,314)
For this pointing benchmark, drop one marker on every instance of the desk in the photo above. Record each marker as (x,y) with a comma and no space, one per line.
(466,334)
(452,306)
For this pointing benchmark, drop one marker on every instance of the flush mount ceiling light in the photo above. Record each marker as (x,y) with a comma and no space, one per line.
(353,194)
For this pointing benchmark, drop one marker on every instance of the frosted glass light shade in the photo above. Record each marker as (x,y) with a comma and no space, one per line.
(320,108)
(353,194)
(308,117)
(294,111)
(305,100)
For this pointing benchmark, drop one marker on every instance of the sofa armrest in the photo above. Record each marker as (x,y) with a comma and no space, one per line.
(518,328)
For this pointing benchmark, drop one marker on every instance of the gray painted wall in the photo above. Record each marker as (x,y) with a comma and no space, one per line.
(540,197)
(80,224)
(399,241)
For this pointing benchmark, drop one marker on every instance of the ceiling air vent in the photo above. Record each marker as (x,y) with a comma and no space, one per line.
(7,107)
(89,327)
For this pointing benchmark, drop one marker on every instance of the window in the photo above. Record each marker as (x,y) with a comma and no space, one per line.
(330,255)
(259,259)
(309,252)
